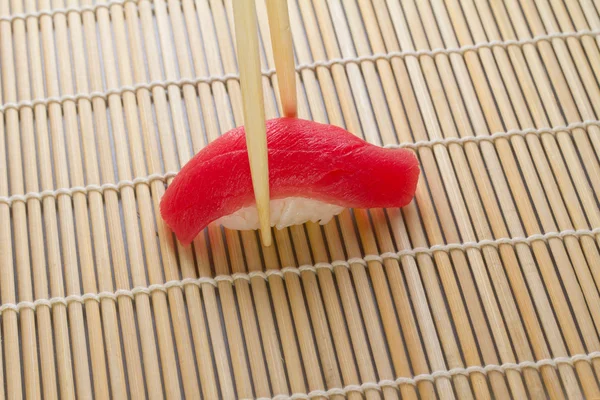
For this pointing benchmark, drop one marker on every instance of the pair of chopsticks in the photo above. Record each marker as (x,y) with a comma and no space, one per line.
(244,13)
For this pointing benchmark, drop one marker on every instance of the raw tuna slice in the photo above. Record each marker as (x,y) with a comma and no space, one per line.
(307,160)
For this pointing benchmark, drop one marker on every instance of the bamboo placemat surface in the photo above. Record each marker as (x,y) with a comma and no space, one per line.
(486,286)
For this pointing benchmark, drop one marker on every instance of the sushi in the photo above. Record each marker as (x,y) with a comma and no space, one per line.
(315,172)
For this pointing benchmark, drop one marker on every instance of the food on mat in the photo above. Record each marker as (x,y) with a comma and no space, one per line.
(315,171)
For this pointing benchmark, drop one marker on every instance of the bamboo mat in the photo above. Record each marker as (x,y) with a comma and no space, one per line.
(486,286)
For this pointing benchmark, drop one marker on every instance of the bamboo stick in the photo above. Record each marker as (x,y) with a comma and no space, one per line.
(220,56)
(297,302)
(301,317)
(575,295)
(418,236)
(249,325)
(500,230)
(385,300)
(300,241)
(234,335)
(573,247)
(336,317)
(283,51)
(435,197)
(40,277)
(531,225)
(25,290)
(445,215)
(583,57)
(263,307)
(350,306)
(96,208)
(119,259)
(67,233)
(250,328)
(334,313)
(426,265)
(125,305)
(334,242)
(320,48)
(226,122)
(418,292)
(248,317)
(352,313)
(56,283)
(198,142)
(253,108)
(578,108)
(165,341)
(6,262)
(368,17)
(578,22)
(576,86)
(591,17)
(230,314)
(434,350)
(357,270)
(64,176)
(212,117)
(575,169)
(312,90)
(324,332)
(10,328)
(38,255)
(118,383)
(535,284)
(180,326)
(292,350)
(196,313)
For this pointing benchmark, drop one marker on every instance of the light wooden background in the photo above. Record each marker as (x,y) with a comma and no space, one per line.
(486,286)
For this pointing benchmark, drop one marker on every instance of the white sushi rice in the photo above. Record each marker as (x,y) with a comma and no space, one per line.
(284,213)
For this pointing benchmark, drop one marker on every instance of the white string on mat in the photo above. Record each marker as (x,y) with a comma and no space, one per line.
(65,11)
(415,146)
(147,180)
(460,50)
(301,67)
(395,384)
(456,50)
(98,297)
(119,91)
(496,136)
(131,293)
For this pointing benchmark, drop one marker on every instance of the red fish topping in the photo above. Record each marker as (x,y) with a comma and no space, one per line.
(306,159)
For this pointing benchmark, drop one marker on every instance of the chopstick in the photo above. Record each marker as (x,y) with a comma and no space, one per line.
(244,14)
(283,52)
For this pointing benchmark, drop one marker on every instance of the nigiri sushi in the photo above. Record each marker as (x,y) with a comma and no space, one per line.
(315,172)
